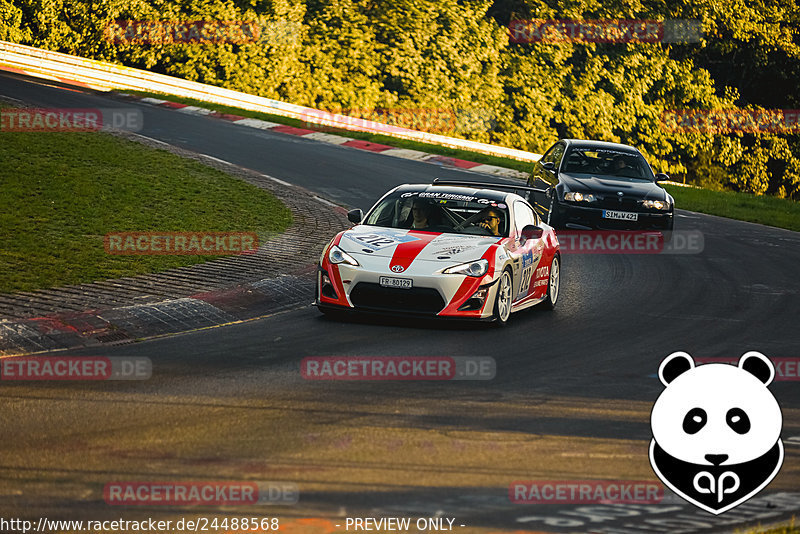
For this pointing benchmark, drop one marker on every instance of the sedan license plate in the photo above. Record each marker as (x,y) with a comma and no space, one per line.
(402,283)
(621,215)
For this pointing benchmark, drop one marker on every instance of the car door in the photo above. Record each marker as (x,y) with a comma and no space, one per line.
(526,255)
(546,180)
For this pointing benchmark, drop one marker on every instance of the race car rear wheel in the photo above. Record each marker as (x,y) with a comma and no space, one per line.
(553,285)
(502,303)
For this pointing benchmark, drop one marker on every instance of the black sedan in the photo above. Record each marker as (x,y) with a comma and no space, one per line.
(594,184)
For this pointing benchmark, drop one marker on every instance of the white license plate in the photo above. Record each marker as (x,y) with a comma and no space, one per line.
(622,215)
(402,283)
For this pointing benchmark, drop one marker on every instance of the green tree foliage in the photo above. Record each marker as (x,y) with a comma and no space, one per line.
(455,55)
(443,54)
(342,56)
(11,26)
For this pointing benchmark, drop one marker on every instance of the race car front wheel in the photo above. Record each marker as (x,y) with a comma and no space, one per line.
(502,303)
(553,285)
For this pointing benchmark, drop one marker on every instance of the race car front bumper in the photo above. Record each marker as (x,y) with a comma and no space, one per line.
(343,287)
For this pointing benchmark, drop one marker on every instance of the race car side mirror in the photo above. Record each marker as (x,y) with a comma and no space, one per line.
(530,232)
(355,216)
(661,177)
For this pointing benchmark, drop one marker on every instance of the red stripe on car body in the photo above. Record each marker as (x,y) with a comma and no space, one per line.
(405,253)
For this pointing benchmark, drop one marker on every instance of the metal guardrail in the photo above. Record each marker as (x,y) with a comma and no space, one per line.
(107,76)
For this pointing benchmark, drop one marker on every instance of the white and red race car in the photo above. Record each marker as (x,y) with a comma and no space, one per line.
(460,250)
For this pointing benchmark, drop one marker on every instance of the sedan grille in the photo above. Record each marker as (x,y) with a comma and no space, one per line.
(615,202)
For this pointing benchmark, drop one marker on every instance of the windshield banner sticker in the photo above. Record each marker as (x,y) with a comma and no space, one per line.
(445,196)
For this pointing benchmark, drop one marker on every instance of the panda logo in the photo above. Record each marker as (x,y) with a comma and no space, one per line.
(716,430)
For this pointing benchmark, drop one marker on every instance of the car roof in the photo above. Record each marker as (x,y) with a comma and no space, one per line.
(490,194)
(600,145)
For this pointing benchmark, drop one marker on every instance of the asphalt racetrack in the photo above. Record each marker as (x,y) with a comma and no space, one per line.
(571,398)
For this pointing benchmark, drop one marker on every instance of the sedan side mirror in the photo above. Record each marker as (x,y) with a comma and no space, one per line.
(530,232)
(661,177)
(355,216)
(549,166)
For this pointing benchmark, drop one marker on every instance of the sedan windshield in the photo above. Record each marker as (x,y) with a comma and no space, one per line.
(610,163)
(436,211)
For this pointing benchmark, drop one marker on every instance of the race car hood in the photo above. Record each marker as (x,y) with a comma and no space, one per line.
(605,185)
(406,246)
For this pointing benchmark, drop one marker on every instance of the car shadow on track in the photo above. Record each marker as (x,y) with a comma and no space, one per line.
(426,323)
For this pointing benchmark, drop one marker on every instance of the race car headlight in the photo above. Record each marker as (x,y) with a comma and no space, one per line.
(575,196)
(337,256)
(472,268)
(655,204)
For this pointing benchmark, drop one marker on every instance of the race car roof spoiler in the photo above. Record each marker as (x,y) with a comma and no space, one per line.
(488,185)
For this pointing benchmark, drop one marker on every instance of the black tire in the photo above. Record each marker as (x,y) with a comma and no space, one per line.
(553,219)
(553,285)
(504,298)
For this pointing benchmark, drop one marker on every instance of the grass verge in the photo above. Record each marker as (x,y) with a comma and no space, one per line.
(63,192)
(771,211)
(791,528)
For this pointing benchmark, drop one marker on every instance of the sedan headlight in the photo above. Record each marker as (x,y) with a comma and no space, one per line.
(473,268)
(337,256)
(574,196)
(655,204)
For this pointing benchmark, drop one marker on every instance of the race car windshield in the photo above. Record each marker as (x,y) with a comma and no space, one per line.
(609,163)
(441,212)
